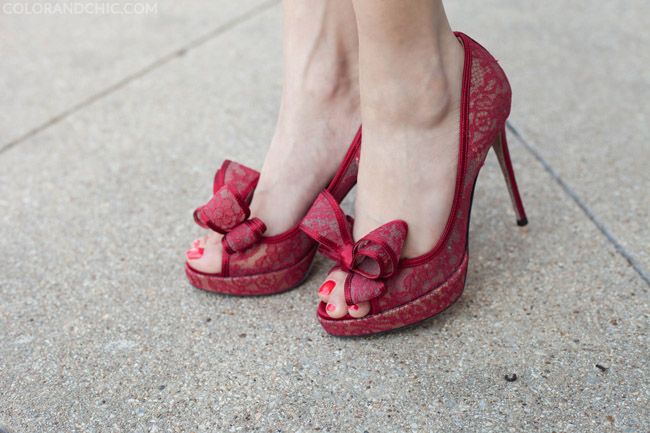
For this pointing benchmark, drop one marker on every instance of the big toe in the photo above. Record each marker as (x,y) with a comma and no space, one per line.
(205,255)
(332,293)
(335,278)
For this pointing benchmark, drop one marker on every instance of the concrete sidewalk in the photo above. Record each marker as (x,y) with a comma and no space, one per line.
(111,129)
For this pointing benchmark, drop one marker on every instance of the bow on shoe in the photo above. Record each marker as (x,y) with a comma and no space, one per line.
(227,211)
(369,261)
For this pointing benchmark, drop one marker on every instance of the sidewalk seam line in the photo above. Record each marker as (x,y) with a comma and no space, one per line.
(622,251)
(141,73)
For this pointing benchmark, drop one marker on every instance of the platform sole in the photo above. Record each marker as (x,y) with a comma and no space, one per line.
(269,283)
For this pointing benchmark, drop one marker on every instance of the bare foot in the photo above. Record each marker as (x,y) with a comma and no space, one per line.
(319,116)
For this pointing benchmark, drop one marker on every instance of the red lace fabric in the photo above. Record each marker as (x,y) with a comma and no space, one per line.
(228,207)
(243,236)
(369,261)
(266,256)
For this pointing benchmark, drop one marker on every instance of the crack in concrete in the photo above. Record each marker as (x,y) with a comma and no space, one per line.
(619,248)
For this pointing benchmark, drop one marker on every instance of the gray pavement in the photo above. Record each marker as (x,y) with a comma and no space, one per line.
(100,332)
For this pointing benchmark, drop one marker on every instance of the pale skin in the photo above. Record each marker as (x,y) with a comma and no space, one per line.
(394,65)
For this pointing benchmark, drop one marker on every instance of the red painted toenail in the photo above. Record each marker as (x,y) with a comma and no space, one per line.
(327,287)
(353,307)
(196,243)
(331,307)
(195,253)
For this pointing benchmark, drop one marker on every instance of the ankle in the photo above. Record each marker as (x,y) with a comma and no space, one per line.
(409,104)
(322,81)
(420,90)
(325,97)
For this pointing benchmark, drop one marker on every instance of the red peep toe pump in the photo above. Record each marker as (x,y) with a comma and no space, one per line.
(407,291)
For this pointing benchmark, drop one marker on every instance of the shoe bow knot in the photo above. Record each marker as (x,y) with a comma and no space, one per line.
(370,260)
(228,210)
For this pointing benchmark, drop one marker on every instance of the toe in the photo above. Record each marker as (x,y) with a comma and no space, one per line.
(333,279)
(336,306)
(326,289)
(205,255)
(359,310)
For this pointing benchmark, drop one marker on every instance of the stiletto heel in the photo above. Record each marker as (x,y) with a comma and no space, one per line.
(501,149)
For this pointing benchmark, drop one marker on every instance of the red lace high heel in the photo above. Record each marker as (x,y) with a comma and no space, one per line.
(254,264)
(407,291)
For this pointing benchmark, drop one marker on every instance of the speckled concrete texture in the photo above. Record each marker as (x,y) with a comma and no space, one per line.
(100,332)
(61,59)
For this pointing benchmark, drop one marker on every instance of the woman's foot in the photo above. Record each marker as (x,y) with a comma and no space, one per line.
(319,116)
(410,103)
